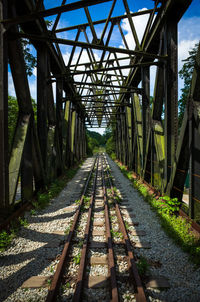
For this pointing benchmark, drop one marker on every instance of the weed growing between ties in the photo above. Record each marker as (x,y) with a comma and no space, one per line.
(167,209)
(116,234)
(142,266)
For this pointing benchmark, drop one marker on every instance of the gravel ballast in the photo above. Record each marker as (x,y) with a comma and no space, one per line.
(183,276)
(37,248)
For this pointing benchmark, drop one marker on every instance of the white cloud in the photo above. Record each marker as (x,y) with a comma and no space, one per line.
(33,87)
(140,25)
(184,47)
(189,28)
(188,36)
(11,88)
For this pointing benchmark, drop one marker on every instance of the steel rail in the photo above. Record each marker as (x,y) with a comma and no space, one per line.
(140,295)
(79,283)
(51,297)
(111,261)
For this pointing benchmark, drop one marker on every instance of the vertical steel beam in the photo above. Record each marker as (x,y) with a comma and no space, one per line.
(138,132)
(194,141)
(59,115)
(42,126)
(3,109)
(171,97)
(68,136)
(129,135)
(27,165)
(73,128)
(145,108)
(77,138)
(21,154)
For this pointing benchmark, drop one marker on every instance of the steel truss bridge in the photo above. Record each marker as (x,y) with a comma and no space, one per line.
(98,85)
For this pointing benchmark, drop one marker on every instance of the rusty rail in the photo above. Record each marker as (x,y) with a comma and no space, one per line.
(140,295)
(79,284)
(53,291)
(111,261)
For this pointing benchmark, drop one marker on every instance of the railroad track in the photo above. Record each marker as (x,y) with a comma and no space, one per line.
(97,262)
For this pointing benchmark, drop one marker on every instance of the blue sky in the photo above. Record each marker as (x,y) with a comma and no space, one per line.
(188,31)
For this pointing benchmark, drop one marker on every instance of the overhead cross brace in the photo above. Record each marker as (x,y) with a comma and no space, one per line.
(91,46)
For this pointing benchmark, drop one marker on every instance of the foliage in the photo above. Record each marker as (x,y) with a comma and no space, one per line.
(12,118)
(77,258)
(186,74)
(77,201)
(178,228)
(7,237)
(5,240)
(92,144)
(169,205)
(116,234)
(23,222)
(96,136)
(110,147)
(142,266)
(96,141)
(33,212)
(43,199)
(127,226)
(107,134)
(110,142)
(86,201)
(30,59)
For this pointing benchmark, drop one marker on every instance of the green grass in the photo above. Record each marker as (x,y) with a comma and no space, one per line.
(142,266)
(6,237)
(116,234)
(23,222)
(76,259)
(177,227)
(5,240)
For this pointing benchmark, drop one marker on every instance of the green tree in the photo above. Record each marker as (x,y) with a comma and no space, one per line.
(186,74)
(92,144)
(30,59)
(110,146)
(12,118)
(107,134)
(97,136)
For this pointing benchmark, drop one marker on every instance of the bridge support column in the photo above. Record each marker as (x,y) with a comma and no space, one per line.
(21,153)
(59,126)
(42,122)
(3,110)
(129,136)
(145,108)
(73,133)
(171,97)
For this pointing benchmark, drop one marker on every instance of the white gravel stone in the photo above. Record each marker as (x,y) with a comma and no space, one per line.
(29,254)
(183,276)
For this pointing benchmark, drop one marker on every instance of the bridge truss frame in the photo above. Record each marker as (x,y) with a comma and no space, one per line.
(147,139)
